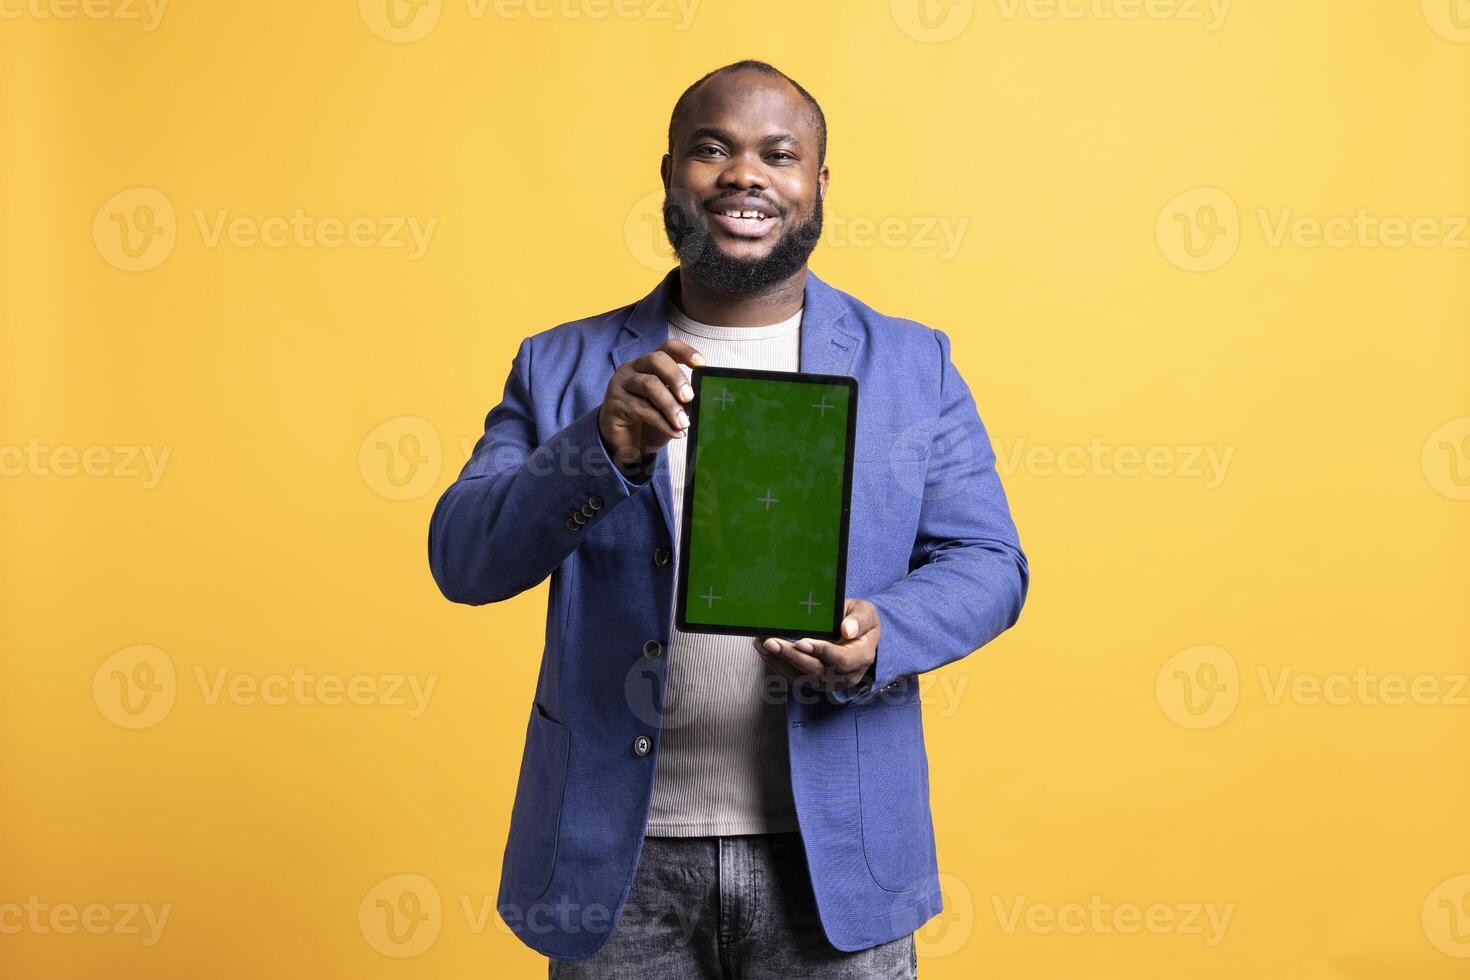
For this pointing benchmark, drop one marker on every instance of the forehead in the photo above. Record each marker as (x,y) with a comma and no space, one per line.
(749,103)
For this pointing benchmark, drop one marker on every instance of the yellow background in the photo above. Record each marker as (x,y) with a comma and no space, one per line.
(1070,759)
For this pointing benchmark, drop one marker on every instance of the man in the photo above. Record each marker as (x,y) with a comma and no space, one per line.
(678,815)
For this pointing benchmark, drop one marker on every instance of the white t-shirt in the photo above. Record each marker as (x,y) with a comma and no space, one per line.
(723,766)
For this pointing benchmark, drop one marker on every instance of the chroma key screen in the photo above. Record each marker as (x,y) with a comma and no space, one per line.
(764,545)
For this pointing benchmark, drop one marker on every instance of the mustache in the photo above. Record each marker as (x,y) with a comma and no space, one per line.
(684,217)
(682,200)
(718,200)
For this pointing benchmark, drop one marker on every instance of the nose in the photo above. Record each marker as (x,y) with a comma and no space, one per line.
(742,173)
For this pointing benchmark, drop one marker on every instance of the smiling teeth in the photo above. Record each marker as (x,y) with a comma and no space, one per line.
(742,214)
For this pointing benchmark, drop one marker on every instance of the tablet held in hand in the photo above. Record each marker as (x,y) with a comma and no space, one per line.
(767,494)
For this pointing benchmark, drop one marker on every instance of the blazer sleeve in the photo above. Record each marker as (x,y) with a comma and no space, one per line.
(508,520)
(968,575)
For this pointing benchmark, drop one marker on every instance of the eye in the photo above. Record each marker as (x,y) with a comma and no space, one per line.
(783,156)
(707,149)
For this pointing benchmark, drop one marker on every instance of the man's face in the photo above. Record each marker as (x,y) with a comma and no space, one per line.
(743,189)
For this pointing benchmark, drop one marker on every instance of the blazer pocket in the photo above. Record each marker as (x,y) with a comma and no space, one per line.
(535,818)
(893,783)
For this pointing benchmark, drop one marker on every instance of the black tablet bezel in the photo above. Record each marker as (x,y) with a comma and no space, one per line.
(839,601)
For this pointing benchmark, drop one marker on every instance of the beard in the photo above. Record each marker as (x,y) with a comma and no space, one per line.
(701,258)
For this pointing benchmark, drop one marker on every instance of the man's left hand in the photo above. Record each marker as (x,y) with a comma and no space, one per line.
(827,663)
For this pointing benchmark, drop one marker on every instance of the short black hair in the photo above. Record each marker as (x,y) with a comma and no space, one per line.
(764,68)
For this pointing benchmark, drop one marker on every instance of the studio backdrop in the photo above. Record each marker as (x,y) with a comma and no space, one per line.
(1205,266)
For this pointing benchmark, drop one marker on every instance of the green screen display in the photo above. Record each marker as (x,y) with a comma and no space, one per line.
(765,518)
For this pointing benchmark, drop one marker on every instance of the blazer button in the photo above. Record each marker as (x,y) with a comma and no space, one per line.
(661,556)
(595,502)
(587,510)
(572,524)
(653,649)
(642,745)
(578,519)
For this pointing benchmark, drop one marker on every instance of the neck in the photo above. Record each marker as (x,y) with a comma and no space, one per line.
(776,304)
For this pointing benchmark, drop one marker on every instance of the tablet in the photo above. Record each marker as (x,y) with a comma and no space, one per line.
(767,493)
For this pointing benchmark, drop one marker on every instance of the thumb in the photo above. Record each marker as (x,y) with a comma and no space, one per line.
(859,618)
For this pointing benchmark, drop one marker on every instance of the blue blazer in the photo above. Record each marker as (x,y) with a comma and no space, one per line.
(932,546)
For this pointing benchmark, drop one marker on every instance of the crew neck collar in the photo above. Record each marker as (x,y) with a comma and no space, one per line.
(714,331)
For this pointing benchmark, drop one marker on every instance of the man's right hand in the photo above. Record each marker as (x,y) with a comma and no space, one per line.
(641,410)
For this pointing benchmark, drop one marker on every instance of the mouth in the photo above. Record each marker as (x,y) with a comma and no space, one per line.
(752,220)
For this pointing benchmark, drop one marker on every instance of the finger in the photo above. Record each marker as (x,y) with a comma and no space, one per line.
(660,363)
(681,352)
(780,667)
(642,410)
(837,657)
(823,675)
(859,617)
(786,653)
(649,388)
(822,681)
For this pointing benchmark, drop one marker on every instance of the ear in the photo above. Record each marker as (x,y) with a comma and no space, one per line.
(665,170)
(823,176)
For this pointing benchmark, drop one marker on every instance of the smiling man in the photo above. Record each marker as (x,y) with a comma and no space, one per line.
(697,805)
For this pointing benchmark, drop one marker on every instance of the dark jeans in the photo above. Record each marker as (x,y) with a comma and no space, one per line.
(725,908)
